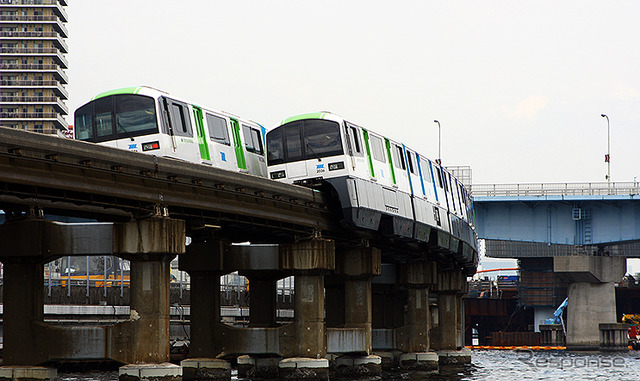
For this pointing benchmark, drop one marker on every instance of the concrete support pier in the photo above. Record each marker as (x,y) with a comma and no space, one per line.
(447,335)
(350,337)
(304,342)
(413,338)
(591,296)
(149,244)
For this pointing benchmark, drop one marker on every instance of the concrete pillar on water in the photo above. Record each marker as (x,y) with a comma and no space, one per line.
(204,263)
(413,338)
(143,340)
(304,342)
(355,268)
(447,336)
(591,296)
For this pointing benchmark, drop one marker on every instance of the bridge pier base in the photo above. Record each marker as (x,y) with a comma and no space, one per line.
(447,335)
(591,296)
(349,313)
(413,338)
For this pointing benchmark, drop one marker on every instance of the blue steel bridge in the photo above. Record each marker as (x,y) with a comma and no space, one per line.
(535,219)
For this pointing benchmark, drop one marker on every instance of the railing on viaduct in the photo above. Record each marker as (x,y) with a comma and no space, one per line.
(556,189)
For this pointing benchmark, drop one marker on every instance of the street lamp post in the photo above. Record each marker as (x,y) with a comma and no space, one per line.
(607,158)
(439,143)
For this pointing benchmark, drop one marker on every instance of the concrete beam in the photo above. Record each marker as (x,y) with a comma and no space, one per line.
(590,269)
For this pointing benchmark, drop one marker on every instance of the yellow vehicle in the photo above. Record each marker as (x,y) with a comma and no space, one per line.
(634,329)
(95,269)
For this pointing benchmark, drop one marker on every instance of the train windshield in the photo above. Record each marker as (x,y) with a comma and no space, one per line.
(116,117)
(303,140)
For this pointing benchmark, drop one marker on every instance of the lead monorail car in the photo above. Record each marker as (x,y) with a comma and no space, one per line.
(147,120)
(381,183)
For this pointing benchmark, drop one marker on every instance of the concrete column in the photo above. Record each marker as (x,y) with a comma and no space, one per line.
(150,245)
(204,263)
(591,296)
(205,314)
(413,338)
(262,302)
(447,337)
(144,338)
(590,304)
(304,343)
(23,301)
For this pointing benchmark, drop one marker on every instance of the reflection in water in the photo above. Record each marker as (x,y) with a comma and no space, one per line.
(496,365)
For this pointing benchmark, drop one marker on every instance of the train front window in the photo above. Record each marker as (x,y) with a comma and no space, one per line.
(135,115)
(104,119)
(121,116)
(275,150)
(293,142)
(304,140)
(84,123)
(322,139)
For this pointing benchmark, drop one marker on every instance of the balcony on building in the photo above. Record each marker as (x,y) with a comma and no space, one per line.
(58,73)
(40,84)
(7,101)
(56,21)
(36,117)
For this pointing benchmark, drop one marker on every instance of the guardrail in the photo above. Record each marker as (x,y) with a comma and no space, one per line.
(556,189)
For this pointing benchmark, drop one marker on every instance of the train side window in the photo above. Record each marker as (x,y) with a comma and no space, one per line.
(439,177)
(424,166)
(378,150)
(398,157)
(412,162)
(252,140)
(180,119)
(218,129)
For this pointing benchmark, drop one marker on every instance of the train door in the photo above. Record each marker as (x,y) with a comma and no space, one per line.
(427,180)
(237,145)
(178,120)
(254,149)
(359,163)
(414,176)
(203,143)
(399,161)
(222,153)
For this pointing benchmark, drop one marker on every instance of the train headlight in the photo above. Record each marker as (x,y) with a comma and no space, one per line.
(277,175)
(336,166)
(150,146)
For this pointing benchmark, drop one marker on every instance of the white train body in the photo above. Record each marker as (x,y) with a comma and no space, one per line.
(382,184)
(150,121)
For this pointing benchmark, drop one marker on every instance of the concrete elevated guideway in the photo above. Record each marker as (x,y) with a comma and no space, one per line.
(147,206)
(589,229)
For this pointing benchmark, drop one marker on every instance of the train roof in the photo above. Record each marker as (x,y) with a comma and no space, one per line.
(155,93)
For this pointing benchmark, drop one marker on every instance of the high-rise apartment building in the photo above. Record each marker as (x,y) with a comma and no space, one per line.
(32,64)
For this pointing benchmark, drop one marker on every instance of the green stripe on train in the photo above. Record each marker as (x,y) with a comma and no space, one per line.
(124,90)
(313,115)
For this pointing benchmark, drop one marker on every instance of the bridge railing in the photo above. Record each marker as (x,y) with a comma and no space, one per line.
(556,189)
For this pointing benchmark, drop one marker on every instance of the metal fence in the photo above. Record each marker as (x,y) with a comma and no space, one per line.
(556,189)
(110,272)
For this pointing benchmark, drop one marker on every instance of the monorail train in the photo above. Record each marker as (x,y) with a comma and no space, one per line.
(381,184)
(147,120)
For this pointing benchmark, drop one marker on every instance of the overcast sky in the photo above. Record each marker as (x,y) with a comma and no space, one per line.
(518,87)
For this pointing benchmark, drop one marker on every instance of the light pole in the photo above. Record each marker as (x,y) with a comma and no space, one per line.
(439,161)
(607,157)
